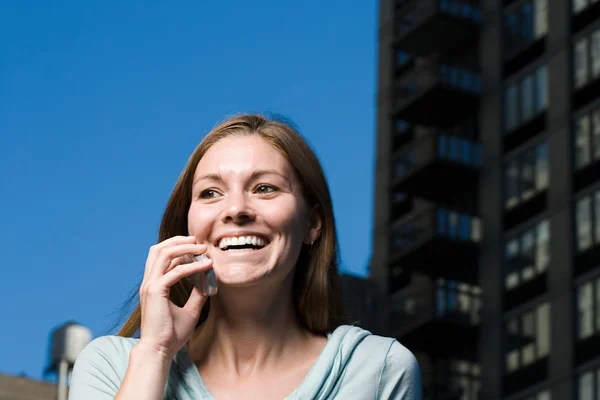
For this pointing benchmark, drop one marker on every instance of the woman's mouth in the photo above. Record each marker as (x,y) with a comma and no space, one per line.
(233,243)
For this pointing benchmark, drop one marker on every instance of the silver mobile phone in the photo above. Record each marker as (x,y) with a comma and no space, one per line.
(206,282)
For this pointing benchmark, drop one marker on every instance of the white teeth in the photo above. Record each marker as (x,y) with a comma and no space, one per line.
(240,241)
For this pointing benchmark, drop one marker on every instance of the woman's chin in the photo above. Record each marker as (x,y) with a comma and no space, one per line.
(238,275)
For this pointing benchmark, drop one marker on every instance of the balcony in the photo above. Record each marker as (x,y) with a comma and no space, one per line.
(437,93)
(456,378)
(400,205)
(438,242)
(438,166)
(426,308)
(432,26)
(585,17)
(403,133)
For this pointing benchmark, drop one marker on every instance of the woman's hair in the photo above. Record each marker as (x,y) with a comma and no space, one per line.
(316,290)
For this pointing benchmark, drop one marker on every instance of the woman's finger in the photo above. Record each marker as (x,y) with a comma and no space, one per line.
(195,302)
(167,254)
(183,270)
(155,250)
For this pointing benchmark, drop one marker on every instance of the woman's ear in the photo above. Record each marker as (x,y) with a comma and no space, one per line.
(314,229)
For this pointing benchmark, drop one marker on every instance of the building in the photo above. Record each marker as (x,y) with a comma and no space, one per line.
(487,210)
(360,301)
(22,388)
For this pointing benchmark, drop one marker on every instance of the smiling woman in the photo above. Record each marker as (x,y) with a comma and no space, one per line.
(254,200)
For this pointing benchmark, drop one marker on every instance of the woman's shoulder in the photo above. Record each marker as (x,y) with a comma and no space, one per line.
(363,341)
(384,359)
(110,348)
(102,365)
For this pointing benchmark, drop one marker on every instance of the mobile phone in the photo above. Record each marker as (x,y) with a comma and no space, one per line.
(206,281)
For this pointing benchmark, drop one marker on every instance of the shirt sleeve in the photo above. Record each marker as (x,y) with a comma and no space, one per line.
(400,376)
(99,369)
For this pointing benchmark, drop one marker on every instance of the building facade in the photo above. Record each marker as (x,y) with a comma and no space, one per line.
(487,210)
(22,388)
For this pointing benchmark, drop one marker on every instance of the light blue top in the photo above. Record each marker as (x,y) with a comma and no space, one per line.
(353,365)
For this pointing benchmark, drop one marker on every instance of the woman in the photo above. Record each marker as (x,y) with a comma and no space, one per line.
(253,198)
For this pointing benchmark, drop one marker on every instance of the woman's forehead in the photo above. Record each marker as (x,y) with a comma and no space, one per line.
(242,155)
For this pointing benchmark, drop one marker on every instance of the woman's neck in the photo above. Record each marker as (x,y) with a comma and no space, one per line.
(248,329)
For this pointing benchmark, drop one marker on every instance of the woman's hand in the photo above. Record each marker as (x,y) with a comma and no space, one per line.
(165,327)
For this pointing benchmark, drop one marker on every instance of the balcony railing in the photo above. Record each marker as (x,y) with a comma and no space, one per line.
(436,92)
(437,241)
(452,162)
(427,74)
(427,26)
(435,222)
(421,311)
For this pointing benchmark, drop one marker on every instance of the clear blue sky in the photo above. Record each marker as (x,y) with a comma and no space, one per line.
(101,103)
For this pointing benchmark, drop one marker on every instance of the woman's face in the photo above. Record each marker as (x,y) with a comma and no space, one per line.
(247,206)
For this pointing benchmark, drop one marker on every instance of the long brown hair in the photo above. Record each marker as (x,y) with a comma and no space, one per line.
(316,290)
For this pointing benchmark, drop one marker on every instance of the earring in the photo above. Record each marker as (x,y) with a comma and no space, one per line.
(309,250)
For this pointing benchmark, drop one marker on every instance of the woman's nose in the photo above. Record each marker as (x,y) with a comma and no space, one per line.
(238,209)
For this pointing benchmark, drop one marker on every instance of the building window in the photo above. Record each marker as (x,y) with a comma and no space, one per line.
(402,58)
(597,217)
(527,338)
(525,175)
(462,78)
(596,134)
(527,255)
(589,385)
(525,99)
(414,228)
(465,379)
(588,307)
(541,89)
(458,299)
(465,9)
(405,163)
(580,5)
(543,395)
(541,17)
(525,23)
(462,9)
(511,107)
(404,236)
(399,197)
(586,59)
(587,220)
(458,149)
(581,62)
(582,142)
(583,211)
(587,139)
(401,129)
(595,53)
(459,226)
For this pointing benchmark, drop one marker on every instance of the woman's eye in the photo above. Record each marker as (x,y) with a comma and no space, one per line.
(208,194)
(264,189)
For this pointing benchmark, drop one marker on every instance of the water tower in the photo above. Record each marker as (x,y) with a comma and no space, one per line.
(65,344)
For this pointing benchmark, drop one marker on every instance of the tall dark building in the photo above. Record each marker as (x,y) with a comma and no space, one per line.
(487,210)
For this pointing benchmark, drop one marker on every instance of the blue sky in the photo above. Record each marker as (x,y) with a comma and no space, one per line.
(101,103)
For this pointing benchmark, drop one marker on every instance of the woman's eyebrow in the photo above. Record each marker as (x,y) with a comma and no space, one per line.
(257,174)
(209,177)
(262,172)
